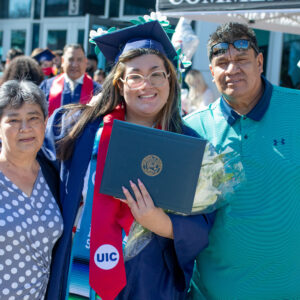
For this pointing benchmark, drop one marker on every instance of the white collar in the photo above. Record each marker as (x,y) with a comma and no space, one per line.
(78,80)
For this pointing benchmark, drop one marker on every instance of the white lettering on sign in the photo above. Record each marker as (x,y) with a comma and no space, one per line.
(178,2)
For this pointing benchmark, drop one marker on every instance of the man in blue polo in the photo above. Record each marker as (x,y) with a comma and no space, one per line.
(73,85)
(254,244)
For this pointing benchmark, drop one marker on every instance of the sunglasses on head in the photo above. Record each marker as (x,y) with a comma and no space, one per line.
(221,48)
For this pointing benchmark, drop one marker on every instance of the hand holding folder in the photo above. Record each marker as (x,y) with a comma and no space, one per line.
(145,212)
(167,163)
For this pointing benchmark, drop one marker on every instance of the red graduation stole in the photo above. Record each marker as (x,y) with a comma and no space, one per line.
(57,89)
(109,216)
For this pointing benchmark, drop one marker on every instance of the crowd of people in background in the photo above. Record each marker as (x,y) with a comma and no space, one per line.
(44,64)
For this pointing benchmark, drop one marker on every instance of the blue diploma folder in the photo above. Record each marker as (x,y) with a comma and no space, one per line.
(167,163)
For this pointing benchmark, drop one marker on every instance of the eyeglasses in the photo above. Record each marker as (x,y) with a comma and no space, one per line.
(222,47)
(135,81)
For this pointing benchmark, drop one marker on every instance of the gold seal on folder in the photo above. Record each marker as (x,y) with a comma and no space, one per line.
(152,165)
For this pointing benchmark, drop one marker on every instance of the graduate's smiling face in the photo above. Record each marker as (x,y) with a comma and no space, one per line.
(145,101)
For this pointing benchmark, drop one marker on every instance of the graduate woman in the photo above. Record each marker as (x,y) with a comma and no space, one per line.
(112,248)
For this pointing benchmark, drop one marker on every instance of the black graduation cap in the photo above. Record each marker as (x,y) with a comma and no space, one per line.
(147,35)
(44,55)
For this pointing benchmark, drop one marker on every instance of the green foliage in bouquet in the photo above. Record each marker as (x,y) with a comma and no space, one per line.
(215,179)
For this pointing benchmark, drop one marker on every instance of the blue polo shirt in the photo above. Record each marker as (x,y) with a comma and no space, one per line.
(256,113)
(254,244)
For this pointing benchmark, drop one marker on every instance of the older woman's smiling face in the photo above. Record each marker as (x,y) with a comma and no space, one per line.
(22,130)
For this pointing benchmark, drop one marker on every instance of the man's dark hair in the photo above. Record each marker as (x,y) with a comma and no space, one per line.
(58,52)
(92,57)
(100,72)
(229,32)
(73,46)
(13,52)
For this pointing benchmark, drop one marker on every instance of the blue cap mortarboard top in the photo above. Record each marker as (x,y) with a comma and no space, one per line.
(147,35)
(44,55)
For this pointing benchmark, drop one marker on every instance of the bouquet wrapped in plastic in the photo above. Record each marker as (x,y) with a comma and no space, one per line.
(220,174)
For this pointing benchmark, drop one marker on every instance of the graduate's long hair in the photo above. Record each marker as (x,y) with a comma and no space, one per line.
(107,100)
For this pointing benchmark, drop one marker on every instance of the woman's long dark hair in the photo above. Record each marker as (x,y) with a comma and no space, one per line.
(106,101)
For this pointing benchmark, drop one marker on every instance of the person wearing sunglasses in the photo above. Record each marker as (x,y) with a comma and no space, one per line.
(254,243)
(159,249)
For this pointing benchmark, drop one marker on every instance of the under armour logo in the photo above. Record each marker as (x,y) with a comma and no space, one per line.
(276,142)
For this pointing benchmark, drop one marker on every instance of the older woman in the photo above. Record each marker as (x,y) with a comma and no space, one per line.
(30,218)
(142,88)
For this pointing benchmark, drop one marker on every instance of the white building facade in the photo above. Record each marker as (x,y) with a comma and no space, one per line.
(28,24)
